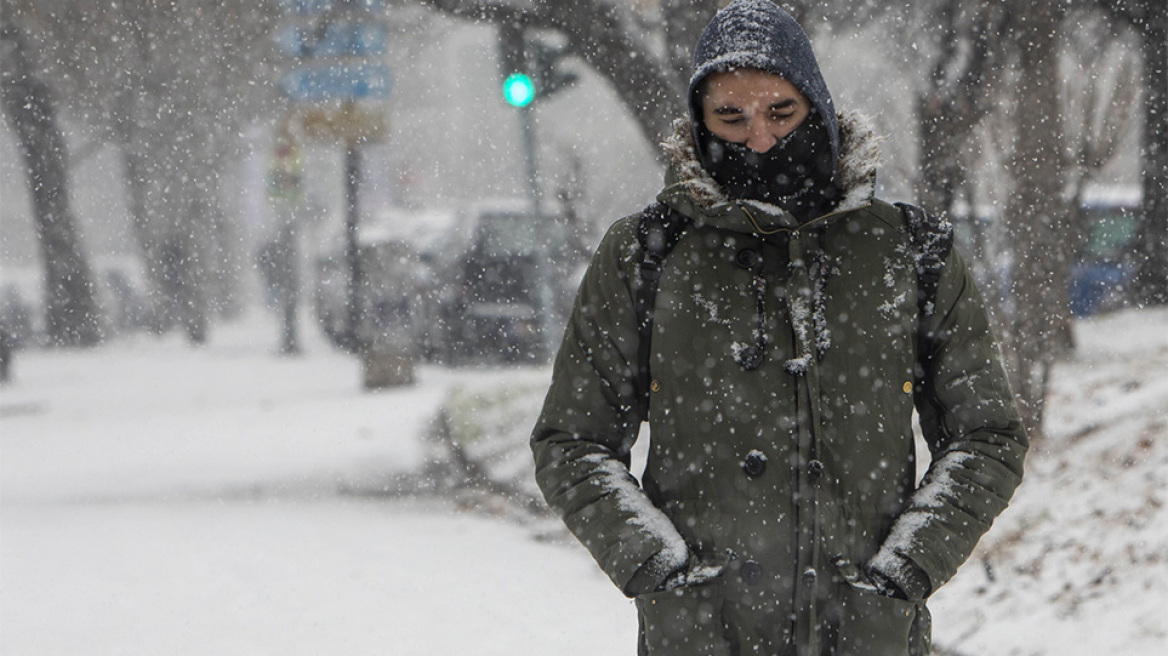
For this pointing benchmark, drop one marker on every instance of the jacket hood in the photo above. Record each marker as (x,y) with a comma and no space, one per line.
(691,190)
(758,34)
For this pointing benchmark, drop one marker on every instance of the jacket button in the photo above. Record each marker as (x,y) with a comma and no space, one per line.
(750,572)
(814,471)
(809,577)
(750,358)
(754,464)
(748,258)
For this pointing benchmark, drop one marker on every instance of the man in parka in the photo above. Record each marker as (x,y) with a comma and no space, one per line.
(779,511)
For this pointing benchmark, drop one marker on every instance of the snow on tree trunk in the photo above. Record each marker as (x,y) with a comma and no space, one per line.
(70,307)
(1152,280)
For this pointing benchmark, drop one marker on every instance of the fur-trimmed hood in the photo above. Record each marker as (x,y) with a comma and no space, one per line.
(855,174)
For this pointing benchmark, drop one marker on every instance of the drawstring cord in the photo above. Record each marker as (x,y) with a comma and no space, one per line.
(760,287)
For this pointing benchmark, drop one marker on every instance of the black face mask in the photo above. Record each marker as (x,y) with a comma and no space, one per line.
(795,174)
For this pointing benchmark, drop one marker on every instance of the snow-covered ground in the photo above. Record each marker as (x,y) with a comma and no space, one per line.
(1079,562)
(156,498)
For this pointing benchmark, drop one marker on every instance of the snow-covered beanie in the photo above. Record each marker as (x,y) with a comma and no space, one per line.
(758,34)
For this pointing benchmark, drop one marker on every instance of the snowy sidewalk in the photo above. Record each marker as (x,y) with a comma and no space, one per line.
(331,576)
(156,498)
(157,418)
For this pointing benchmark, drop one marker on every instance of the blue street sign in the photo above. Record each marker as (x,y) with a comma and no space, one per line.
(337,81)
(321,6)
(338,38)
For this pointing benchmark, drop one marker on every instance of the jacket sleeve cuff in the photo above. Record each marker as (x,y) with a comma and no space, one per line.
(654,574)
(896,576)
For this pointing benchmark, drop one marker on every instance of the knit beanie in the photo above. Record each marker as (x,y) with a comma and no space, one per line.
(758,34)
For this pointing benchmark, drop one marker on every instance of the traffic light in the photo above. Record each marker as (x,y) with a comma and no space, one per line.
(543,60)
(529,67)
(519,90)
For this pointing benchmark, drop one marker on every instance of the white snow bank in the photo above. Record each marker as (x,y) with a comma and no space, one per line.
(1079,562)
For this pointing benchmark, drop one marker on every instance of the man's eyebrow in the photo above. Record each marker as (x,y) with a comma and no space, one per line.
(786,103)
(727,109)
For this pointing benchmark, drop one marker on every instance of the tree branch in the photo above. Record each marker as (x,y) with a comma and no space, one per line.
(607,38)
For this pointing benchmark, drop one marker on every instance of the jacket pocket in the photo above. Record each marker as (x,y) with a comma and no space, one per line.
(871,623)
(685,621)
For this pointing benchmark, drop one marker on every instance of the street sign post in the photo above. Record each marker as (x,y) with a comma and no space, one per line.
(338,82)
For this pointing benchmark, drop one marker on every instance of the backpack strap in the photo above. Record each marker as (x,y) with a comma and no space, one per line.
(932,239)
(658,231)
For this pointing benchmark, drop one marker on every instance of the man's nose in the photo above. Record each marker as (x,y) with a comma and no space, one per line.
(760,139)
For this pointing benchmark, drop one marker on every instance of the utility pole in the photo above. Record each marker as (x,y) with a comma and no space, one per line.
(354,337)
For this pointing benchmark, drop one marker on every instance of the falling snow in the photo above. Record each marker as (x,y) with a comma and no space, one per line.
(183,484)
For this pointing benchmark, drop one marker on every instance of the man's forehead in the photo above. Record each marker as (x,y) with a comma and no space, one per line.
(773,87)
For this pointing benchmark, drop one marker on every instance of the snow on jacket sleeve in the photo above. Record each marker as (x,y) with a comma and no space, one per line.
(590,420)
(977,440)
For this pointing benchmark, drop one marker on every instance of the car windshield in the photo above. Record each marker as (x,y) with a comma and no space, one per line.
(1113,229)
(507,234)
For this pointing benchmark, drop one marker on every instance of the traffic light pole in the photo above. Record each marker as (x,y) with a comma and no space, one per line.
(352,247)
(533,191)
(545,299)
(529,68)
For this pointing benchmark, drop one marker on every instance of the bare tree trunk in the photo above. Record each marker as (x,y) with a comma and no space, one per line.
(136,170)
(70,306)
(1036,217)
(1152,278)
(941,130)
(649,88)
(956,100)
(171,129)
(142,146)
(941,143)
(189,174)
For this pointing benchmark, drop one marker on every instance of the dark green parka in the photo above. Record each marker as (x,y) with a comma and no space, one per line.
(785,369)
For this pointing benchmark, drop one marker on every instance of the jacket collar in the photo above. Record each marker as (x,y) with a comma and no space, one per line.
(690,190)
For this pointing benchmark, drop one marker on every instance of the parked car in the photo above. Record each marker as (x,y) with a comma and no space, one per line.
(1103,270)
(484,282)
(500,289)
(392,285)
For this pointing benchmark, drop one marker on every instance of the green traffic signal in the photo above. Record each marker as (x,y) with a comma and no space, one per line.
(519,90)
